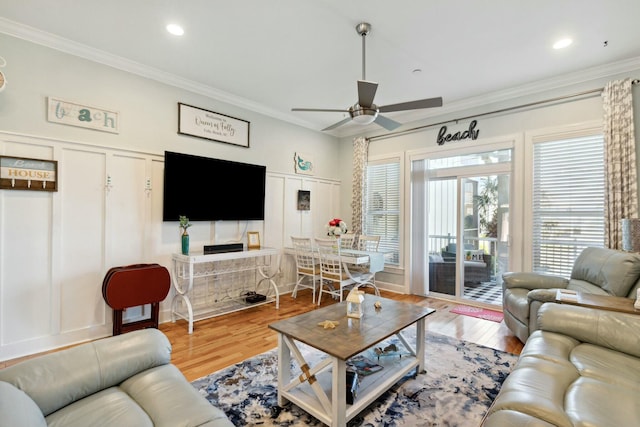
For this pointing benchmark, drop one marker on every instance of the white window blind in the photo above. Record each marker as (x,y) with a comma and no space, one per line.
(568,201)
(382,207)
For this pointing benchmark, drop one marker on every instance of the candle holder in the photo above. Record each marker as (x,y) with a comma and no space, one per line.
(354,303)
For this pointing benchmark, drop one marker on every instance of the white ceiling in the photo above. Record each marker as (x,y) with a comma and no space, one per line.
(272,55)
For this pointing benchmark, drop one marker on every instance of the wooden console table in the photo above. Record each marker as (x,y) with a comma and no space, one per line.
(602,302)
(215,284)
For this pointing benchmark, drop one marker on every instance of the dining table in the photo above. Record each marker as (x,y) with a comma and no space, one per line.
(375,259)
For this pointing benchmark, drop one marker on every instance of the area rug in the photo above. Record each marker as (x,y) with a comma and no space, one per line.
(461,381)
(482,313)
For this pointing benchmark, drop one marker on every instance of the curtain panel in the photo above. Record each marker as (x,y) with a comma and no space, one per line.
(621,195)
(359,182)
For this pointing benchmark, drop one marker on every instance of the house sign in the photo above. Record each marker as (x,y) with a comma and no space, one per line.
(470,133)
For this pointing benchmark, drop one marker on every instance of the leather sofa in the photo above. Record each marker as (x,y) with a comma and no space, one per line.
(598,271)
(125,380)
(581,368)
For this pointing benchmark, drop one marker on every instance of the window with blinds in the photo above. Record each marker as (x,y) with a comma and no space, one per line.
(382,207)
(568,201)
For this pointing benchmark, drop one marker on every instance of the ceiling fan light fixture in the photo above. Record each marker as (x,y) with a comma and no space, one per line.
(364,111)
(363,116)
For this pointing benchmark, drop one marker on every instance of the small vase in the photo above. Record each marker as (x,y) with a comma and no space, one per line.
(185,243)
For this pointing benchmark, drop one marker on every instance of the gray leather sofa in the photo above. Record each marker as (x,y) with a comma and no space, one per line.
(581,368)
(124,381)
(596,270)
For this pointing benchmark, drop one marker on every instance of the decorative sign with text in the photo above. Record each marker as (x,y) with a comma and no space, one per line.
(470,133)
(85,116)
(19,173)
(194,121)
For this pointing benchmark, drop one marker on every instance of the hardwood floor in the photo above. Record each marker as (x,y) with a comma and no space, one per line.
(224,340)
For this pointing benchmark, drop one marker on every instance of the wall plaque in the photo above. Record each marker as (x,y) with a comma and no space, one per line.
(81,115)
(201,123)
(19,173)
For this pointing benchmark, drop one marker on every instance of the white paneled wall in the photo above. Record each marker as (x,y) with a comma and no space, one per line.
(82,240)
(55,247)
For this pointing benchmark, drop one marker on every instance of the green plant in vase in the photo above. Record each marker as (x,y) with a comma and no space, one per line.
(184,225)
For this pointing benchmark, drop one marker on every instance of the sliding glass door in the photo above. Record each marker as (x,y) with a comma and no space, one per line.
(465,223)
(485,235)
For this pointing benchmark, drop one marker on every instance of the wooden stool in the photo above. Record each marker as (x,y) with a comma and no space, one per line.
(132,286)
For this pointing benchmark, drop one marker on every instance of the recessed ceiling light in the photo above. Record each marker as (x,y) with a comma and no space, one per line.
(175,29)
(562,43)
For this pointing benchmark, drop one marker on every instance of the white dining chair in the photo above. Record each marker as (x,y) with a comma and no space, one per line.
(333,279)
(368,242)
(347,240)
(307,266)
(335,275)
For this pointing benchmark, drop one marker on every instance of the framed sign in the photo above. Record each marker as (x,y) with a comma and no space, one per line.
(201,123)
(253,240)
(19,173)
(304,200)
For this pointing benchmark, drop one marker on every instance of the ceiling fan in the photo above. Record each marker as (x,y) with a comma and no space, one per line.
(365,111)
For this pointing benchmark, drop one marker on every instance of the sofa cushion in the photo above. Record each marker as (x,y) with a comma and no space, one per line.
(435,258)
(614,271)
(591,402)
(590,288)
(170,400)
(107,408)
(608,329)
(553,347)
(514,418)
(18,409)
(537,390)
(609,366)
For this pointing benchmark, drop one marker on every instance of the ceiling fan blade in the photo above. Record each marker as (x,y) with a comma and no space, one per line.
(366,92)
(387,123)
(412,105)
(329,110)
(340,123)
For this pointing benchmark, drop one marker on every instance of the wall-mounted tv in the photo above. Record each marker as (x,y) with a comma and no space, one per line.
(208,189)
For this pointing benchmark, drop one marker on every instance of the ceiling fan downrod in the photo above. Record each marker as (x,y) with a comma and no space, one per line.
(363,29)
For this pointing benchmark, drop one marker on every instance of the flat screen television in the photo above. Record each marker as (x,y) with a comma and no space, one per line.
(208,189)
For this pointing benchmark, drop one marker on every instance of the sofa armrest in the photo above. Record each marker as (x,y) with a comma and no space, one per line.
(533,281)
(614,330)
(17,408)
(542,295)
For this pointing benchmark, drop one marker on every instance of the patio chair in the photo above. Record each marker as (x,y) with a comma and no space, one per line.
(307,267)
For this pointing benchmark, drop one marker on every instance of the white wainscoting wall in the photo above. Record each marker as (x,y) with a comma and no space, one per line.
(55,247)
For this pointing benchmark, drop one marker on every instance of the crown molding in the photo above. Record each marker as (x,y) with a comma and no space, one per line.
(557,83)
(71,47)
